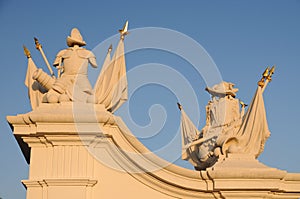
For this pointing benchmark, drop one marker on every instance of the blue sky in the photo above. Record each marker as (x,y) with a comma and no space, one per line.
(242,38)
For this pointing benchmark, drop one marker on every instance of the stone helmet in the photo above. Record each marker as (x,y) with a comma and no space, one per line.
(222,89)
(75,38)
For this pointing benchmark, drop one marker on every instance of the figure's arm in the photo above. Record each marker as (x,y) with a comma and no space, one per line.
(199,141)
(57,61)
(92,59)
(89,55)
(59,58)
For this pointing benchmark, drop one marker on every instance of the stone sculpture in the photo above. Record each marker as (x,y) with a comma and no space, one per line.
(71,83)
(82,154)
(227,129)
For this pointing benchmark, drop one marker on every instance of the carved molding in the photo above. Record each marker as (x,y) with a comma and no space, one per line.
(60,182)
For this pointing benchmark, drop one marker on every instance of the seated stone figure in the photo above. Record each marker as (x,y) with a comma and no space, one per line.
(73,83)
(222,116)
(228,130)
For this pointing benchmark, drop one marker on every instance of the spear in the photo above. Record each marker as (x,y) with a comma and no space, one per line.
(26,52)
(124,30)
(39,47)
(268,78)
(265,74)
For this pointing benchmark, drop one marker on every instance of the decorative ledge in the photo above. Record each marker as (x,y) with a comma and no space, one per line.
(60,182)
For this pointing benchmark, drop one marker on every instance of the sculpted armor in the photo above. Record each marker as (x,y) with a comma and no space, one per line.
(73,84)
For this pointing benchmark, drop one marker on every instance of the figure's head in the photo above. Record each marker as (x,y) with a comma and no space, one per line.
(75,38)
(222,89)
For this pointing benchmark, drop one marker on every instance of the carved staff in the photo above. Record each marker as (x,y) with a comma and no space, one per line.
(39,47)
(59,68)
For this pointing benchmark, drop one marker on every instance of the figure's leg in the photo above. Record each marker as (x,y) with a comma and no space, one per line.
(52,96)
(64,98)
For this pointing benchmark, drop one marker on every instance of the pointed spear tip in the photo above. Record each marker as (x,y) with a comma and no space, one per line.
(266,72)
(124,30)
(37,43)
(272,69)
(243,103)
(179,105)
(110,48)
(125,27)
(26,52)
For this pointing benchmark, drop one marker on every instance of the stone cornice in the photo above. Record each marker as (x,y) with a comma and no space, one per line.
(60,182)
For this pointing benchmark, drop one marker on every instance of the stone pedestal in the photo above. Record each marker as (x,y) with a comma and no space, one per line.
(81,151)
(60,165)
(242,176)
